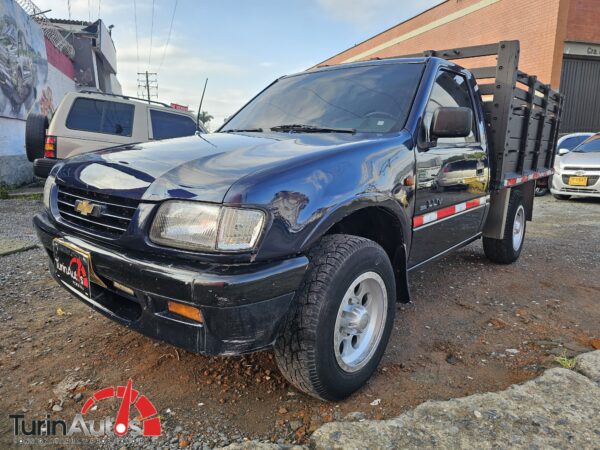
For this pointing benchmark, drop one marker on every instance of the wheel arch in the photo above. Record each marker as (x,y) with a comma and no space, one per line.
(384,223)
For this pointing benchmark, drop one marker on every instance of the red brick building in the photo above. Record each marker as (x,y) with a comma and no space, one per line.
(560,43)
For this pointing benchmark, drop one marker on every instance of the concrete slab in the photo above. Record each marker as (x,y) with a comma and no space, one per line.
(8,246)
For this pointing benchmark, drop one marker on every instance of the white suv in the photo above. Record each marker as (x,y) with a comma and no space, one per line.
(87,121)
(577,172)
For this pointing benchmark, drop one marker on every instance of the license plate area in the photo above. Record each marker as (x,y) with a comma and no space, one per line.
(578,181)
(72,267)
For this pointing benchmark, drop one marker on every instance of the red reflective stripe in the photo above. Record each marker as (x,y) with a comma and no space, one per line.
(445,212)
(473,203)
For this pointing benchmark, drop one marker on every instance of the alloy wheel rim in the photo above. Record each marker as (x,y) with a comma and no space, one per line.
(518,228)
(360,322)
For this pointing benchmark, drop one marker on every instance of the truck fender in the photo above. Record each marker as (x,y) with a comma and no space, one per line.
(399,226)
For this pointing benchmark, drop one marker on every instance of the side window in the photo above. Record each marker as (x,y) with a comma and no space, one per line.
(99,116)
(450,89)
(167,125)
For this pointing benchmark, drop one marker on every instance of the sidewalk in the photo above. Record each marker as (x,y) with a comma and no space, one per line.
(560,409)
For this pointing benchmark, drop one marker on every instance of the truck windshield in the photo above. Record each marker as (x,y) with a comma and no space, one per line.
(592,145)
(365,99)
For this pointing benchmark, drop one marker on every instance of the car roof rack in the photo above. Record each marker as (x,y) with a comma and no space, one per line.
(126,97)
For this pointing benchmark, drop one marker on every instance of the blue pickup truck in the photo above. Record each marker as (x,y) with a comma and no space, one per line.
(295,225)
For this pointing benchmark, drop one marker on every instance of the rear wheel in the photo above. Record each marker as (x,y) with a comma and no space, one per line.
(35,135)
(508,249)
(561,197)
(342,318)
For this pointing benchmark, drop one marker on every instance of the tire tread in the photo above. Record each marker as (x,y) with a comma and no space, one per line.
(295,350)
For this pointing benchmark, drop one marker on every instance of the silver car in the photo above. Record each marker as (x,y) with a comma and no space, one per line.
(577,172)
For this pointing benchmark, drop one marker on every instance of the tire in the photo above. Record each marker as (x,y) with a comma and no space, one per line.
(35,135)
(540,191)
(508,249)
(307,352)
(561,197)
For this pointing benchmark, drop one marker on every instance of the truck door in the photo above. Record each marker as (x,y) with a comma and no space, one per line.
(452,177)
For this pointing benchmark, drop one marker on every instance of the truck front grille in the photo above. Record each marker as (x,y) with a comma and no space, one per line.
(113,220)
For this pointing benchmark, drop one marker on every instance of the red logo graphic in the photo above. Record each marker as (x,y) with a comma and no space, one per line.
(80,270)
(147,411)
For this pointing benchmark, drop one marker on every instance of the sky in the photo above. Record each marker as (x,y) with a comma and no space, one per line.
(239,45)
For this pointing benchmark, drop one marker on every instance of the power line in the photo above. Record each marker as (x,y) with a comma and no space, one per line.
(137,42)
(168,36)
(151,33)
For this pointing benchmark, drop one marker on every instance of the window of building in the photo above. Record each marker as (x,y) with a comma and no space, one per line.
(450,90)
(167,125)
(100,116)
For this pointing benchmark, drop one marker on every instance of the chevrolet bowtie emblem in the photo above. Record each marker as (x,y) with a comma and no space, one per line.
(86,208)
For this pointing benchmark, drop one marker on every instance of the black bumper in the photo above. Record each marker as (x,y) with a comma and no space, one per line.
(243,306)
(43,166)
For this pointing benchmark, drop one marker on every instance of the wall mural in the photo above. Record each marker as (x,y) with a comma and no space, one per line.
(23,63)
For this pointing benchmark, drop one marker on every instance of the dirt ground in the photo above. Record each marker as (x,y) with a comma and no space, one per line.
(472,327)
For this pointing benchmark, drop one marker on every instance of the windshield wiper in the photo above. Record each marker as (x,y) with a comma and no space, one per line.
(311,129)
(240,130)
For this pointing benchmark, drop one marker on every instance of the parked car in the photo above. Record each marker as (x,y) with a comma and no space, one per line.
(294,227)
(87,121)
(577,172)
(459,174)
(566,142)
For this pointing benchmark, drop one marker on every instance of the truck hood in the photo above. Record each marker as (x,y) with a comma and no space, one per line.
(201,167)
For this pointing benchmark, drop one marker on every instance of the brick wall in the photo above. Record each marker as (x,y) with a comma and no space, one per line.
(584,17)
(540,25)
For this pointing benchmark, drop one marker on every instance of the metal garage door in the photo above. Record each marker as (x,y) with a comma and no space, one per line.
(580,84)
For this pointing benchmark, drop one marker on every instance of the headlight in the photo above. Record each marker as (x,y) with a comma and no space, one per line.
(47,188)
(202,227)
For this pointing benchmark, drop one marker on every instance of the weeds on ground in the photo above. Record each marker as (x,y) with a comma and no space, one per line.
(3,192)
(566,363)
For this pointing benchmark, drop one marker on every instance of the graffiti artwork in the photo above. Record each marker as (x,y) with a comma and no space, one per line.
(23,64)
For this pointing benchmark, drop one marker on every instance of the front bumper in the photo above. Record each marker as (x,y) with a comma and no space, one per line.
(243,305)
(560,186)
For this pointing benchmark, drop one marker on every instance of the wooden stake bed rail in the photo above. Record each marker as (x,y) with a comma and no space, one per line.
(522,114)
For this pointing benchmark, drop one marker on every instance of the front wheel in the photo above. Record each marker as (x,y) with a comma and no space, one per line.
(508,249)
(342,318)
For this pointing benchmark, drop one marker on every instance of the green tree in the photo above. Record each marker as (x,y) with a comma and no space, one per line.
(205,117)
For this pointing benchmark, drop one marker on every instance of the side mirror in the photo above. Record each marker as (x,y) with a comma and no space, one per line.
(451,122)
(562,151)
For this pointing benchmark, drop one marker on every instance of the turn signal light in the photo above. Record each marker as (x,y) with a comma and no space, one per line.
(189,312)
(50,147)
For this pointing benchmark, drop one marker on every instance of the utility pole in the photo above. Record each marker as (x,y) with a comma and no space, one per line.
(147,85)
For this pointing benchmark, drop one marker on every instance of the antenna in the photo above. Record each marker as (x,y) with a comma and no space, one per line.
(201,100)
